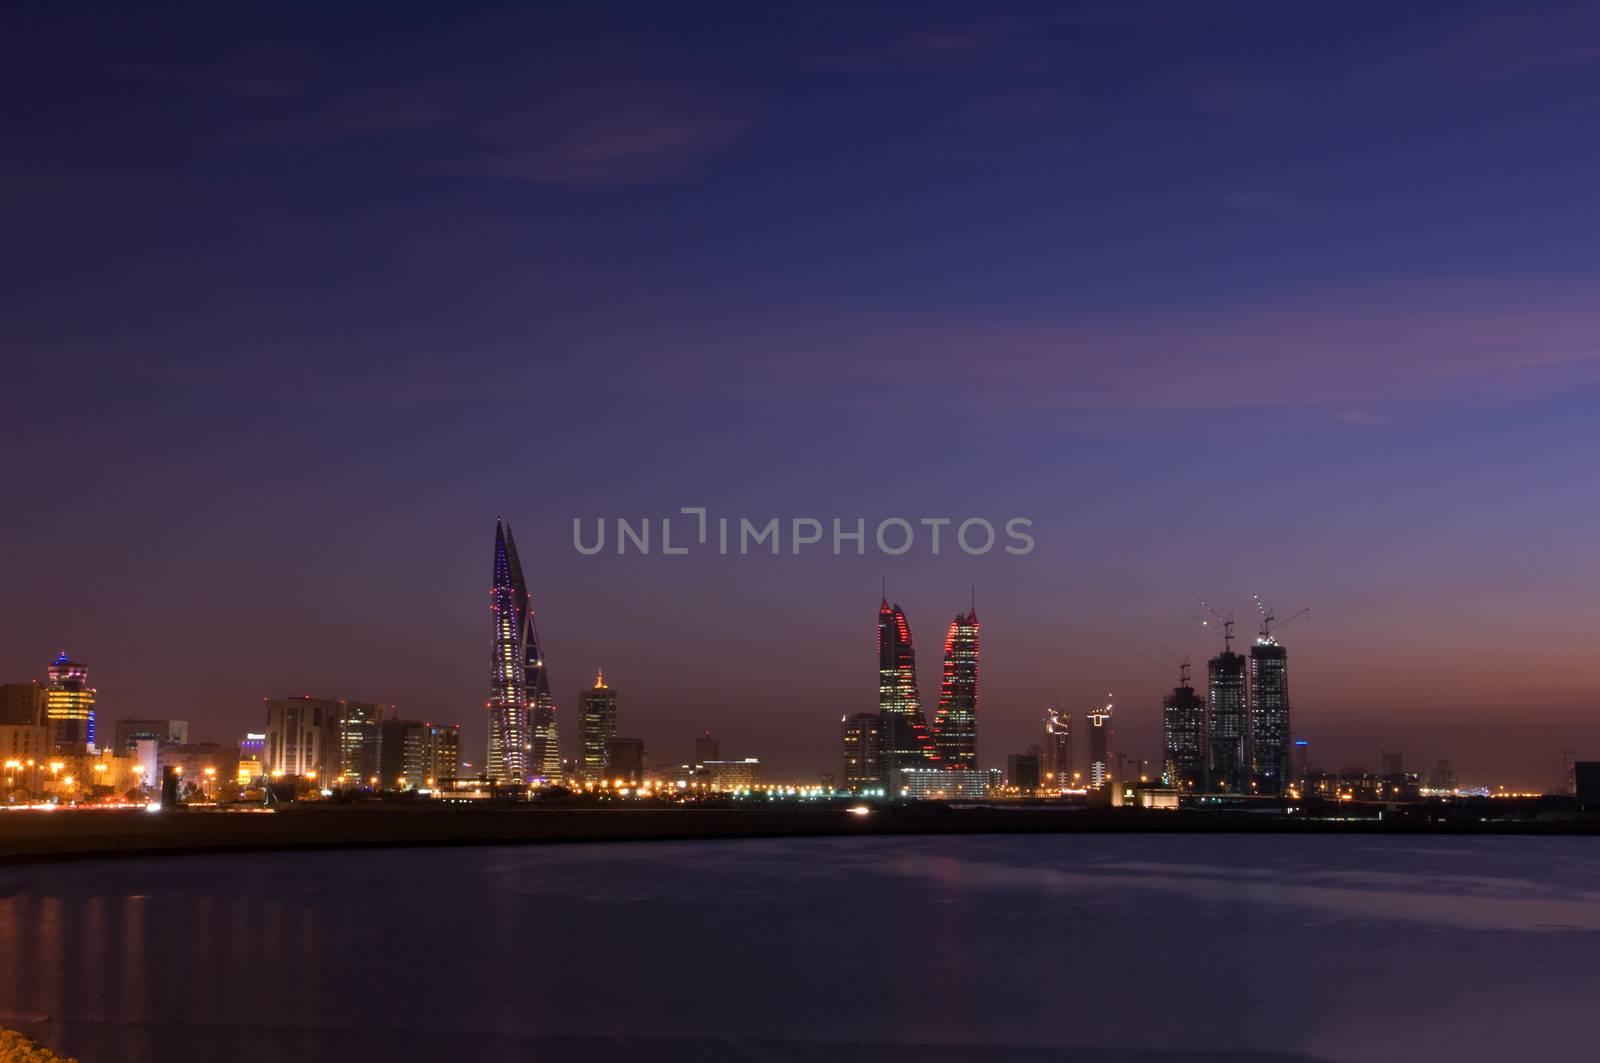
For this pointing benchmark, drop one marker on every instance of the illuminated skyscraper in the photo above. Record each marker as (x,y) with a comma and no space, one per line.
(1227,748)
(69,707)
(597,728)
(955,724)
(906,741)
(1269,715)
(1101,742)
(510,740)
(1058,758)
(1183,733)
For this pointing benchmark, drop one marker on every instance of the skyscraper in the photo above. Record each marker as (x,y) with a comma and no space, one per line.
(510,740)
(69,707)
(861,739)
(955,724)
(597,728)
(359,725)
(906,741)
(1227,747)
(1058,759)
(1100,745)
(1183,733)
(1269,715)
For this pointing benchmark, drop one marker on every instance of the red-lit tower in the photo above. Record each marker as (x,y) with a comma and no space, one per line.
(955,725)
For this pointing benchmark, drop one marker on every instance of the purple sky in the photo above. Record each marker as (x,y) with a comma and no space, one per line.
(1227,299)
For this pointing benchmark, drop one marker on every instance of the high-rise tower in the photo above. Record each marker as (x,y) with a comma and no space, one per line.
(906,742)
(1100,746)
(69,707)
(1183,733)
(1227,746)
(597,728)
(1058,748)
(1269,716)
(509,738)
(955,724)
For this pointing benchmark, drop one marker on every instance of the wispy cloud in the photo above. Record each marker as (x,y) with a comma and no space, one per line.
(609,143)
(1352,354)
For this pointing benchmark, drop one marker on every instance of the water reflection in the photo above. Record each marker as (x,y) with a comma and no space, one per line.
(796,949)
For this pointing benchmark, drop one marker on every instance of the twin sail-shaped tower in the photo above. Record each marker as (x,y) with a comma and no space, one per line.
(523,742)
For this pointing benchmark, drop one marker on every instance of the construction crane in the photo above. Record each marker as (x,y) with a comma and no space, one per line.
(1225,621)
(1268,620)
(1166,669)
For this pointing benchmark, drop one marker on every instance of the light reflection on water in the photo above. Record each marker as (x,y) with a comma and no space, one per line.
(1335,948)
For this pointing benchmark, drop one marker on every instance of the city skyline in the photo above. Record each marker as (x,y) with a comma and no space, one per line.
(1239,737)
(305,296)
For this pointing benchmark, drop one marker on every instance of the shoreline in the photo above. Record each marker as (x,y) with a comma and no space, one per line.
(90,834)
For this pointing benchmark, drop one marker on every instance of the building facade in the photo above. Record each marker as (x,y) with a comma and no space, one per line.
(944,784)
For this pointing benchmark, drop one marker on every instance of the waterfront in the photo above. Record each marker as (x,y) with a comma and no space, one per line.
(1322,947)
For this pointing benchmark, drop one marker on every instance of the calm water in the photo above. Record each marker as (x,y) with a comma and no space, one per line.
(1330,948)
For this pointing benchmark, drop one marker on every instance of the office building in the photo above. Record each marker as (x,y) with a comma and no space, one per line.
(129,732)
(956,720)
(510,739)
(861,769)
(1058,758)
(359,737)
(69,708)
(944,784)
(1269,716)
(21,704)
(1101,743)
(597,727)
(707,748)
(1183,734)
(303,737)
(1023,772)
(252,756)
(1227,746)
(625,761)
(731,776)
(906,741)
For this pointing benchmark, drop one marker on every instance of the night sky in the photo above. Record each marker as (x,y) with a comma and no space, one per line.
(1296,300)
